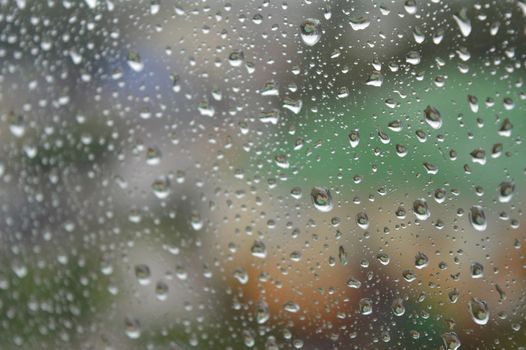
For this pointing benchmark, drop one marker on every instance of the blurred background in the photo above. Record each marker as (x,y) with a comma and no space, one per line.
(262,174)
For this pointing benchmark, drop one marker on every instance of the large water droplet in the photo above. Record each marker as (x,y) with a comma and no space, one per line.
(366,306)
(479,311)
(354,138)
(359,23)
(291,307)
(477,218)
(362,220)
(135,61)
(463,22)
(142,273)
(398,307)
(421,260)
(420,209)
(258,249)
(310,31)
(477,270)
(506,190)
(322,199)
(451,341)
(433,117)
(262,312)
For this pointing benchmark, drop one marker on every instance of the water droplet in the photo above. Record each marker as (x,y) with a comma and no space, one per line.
(477,218)
(258,249)
(342,255)
(262,312)
(296,192)
(134,61)
(291,307)
(453,296)
(359,23)
(421,210)
(362,220)
(133,328)
(418,34)
(506,190)
(155,6)
(463,22)
(354,138)
(433,117)
(413,57)
(161,187)
(353,283)
(269,89)
(440,195)
(383,258)
(17,125)
(478,156)
(398,307)
(366,306)
(153,156)
(421,260)
(401,150)
(502,294)
(282,162)
(451,341)
(241,275)
(196,221)
(477,270)
(505,128)
(322,199)
(430,168)
(142,273)
(410,7)
(409,275)
(400,213)
(236,58)
(292,105)
(473,103)
(270,117)
(310,31)
(479,311)
(161,290)
(375,79)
